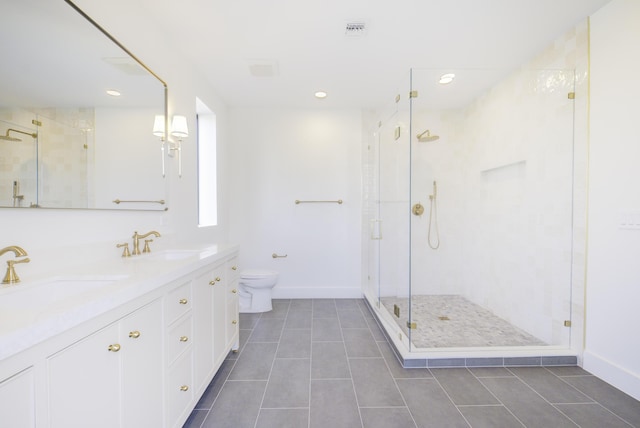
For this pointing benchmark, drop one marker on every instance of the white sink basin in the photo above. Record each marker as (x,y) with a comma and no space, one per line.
(54,290)
(170,255)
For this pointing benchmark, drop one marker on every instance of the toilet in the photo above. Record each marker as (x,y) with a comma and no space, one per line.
(255,290)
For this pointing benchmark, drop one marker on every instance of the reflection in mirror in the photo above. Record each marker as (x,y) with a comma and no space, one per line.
(64,141)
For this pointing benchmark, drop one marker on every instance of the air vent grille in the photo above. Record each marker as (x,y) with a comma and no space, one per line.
(355,29)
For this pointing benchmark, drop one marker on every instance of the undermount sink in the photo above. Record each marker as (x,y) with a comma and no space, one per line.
(53,290)
(169,255)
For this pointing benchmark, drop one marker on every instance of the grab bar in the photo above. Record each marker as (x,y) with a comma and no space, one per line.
(339,201)
(118,201)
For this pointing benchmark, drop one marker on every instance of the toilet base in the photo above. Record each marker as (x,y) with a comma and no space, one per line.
(260,301)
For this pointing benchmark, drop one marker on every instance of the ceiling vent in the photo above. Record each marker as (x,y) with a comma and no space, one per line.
(263,68)
(355,29)
(126,65)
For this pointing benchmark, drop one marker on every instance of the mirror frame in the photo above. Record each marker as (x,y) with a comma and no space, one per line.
(165,108)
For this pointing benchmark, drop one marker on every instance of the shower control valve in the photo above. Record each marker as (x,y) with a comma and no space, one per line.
(417,209)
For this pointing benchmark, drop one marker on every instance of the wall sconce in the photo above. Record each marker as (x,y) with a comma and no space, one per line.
(180,130)
(159,131)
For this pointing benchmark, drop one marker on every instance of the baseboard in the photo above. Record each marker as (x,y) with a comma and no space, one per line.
(316,292)
(613,374)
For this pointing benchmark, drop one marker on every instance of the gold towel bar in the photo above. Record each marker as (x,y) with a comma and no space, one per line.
(161,201)
(339,201)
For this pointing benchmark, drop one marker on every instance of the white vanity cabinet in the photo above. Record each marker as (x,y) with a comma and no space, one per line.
(179,341)
(143,360)
(17,401)
(208,292)
(112,377)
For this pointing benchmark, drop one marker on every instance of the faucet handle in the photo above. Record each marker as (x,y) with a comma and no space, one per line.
(125,252)
(146,248)
(11,277)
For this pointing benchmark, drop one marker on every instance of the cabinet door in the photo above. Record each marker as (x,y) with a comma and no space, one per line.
(219,321)
(232,315)
(17,402)
(203,327)
(84,382)
(142,367)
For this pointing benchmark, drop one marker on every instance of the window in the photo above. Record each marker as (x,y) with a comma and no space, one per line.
(207,176)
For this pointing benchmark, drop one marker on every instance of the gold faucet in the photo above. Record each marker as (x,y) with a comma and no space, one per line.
(11,277)
(136,242)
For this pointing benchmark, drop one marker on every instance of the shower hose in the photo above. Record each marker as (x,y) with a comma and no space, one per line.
(433,219)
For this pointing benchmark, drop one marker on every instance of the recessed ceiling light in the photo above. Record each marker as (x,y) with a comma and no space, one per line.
(113,92)
(445,79)
(321,94)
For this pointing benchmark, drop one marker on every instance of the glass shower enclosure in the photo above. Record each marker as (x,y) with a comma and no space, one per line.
(469,190)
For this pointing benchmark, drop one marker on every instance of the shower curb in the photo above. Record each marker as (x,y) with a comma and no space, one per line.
(529,361)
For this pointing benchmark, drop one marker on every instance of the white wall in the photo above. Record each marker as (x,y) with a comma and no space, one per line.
(280,156)
(613,275)
(55,238)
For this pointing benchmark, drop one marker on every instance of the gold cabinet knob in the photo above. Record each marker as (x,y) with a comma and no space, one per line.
(218,279)
(234,322)
(114,348)
(234,267)
(234,291)
(183,301)
(134,334)
(212,282)
(183,338)
(184,388)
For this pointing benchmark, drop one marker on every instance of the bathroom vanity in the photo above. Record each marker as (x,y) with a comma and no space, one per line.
(128,343)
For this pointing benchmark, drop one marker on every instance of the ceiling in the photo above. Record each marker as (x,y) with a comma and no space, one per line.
(302,46)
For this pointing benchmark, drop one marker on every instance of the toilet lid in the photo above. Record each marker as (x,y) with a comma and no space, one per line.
(257,273)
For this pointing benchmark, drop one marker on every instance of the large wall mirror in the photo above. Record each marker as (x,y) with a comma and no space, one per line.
(67,140)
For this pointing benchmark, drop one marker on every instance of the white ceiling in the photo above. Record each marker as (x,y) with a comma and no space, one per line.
(306,41)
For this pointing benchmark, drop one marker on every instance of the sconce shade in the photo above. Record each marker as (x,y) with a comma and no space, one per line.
(158,126)
(179,127)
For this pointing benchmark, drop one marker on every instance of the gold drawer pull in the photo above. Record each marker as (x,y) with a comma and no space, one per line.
(183,301)
(234,291)
(183,338)
(234,267)
(114,348)
(212,282)
(184,388)
(234,322)
(134,334)
(218,279)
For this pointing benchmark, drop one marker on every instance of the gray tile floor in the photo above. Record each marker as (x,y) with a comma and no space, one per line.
(324,363)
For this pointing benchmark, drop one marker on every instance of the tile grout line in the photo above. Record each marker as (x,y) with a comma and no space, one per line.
(491,392)
(395,382)
(353,385)
(266,387)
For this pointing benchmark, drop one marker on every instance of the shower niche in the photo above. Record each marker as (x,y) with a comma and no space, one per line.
(475,200)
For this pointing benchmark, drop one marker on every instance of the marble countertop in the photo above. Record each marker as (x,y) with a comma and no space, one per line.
(34,311)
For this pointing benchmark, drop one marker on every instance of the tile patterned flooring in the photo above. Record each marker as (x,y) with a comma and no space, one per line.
(325,363)
(466,323)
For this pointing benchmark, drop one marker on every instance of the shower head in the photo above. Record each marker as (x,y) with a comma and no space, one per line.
(8,137)
(426,137)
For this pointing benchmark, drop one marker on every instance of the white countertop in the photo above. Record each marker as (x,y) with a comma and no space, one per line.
(34,311)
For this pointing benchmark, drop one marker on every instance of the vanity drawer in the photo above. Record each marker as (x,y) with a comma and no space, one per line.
(179,337)
(177,302)
(180,389)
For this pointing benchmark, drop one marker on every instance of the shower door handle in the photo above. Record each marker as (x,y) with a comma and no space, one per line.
(376,229)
